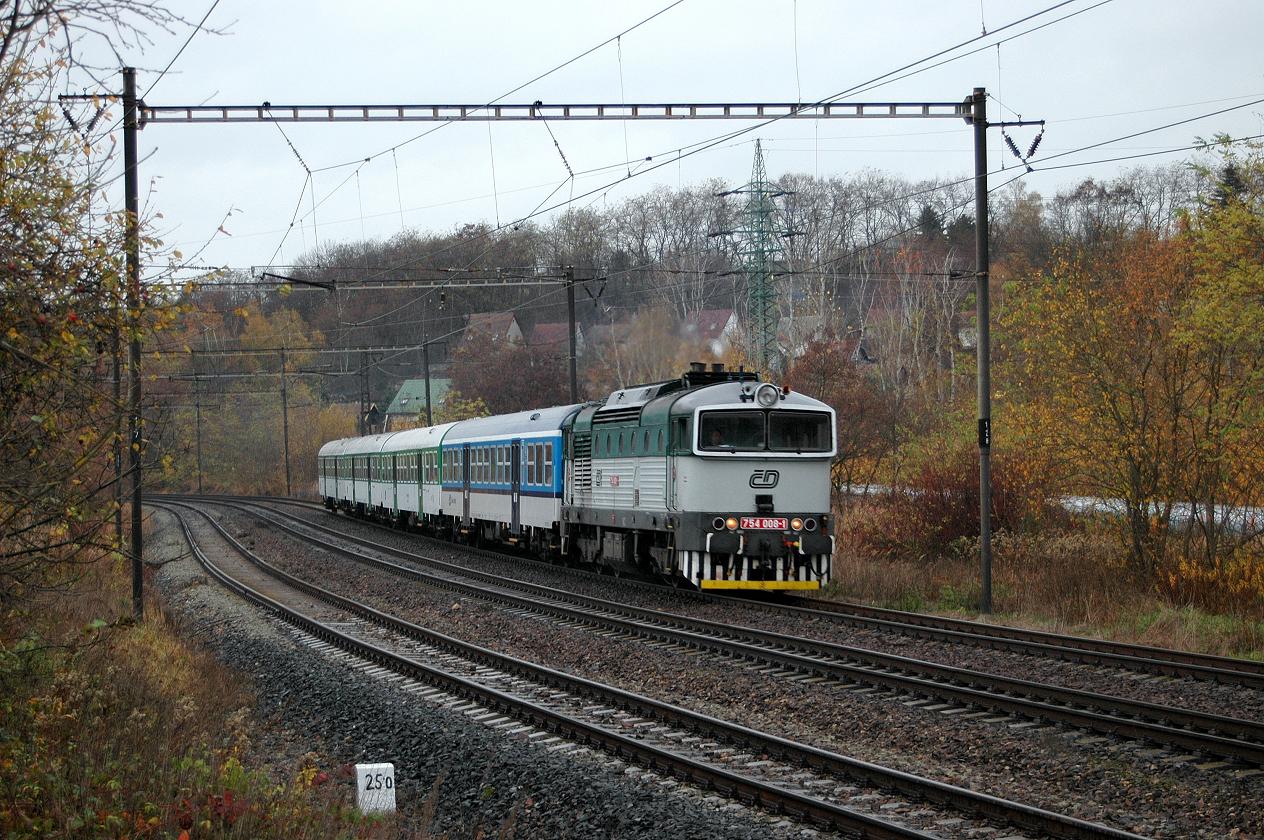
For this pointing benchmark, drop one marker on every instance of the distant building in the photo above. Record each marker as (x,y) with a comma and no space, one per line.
(712,329)
(410,401)
(795,334)
(618,332)
(555,338)
(498,326)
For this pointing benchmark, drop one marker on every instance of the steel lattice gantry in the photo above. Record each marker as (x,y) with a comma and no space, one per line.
(267,112)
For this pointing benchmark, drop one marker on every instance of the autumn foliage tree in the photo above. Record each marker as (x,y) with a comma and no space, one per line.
(1140,372)
(506,376)
(60,281)
(868,428)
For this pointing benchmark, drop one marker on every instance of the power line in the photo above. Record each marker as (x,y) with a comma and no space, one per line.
(876,81)
(180,51)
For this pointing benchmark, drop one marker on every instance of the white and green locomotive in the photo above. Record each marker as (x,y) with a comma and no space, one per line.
(714,479)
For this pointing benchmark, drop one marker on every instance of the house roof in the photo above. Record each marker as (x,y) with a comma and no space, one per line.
(497,324)
(604,333)
(706,324)
(802,328)
(554,334)
(411,397)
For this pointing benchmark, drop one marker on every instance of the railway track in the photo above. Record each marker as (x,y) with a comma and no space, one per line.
(1084,650)
(504,692)
(1143,658)
(916,682)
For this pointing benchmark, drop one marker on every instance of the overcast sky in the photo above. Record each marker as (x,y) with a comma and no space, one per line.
(1125,66)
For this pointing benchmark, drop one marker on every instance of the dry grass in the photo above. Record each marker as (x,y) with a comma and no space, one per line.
(1068,580)
(109,729)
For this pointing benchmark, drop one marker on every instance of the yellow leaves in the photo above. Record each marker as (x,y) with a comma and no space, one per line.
(242,312)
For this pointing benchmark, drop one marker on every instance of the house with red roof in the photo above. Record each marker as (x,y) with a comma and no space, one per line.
(498,326)
(712,329)
(555,337)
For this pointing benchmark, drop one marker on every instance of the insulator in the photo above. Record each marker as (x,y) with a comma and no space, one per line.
(1035,144)
(1009,141)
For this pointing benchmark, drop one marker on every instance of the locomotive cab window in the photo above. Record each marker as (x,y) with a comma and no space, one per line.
(731,431)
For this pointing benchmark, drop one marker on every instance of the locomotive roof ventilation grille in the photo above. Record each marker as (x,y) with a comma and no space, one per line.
(619,414)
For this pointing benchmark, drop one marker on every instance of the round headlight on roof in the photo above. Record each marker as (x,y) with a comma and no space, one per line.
(767,395)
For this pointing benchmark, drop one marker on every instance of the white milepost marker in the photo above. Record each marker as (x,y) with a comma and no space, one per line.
(375,788)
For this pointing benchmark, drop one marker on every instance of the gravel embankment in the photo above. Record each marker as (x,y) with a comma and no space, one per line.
(1199,695)
(482,782)
(1119,783)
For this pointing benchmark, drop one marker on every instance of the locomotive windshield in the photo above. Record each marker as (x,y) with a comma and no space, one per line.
(798,431)
(732,431)
(760,431)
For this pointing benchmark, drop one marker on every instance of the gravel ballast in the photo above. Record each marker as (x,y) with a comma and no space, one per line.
(1120,783)
(454,777)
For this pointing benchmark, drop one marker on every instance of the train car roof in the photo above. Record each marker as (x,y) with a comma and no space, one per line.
(356,445)
(730,394)
(508,425)
(426,437)
(334,447)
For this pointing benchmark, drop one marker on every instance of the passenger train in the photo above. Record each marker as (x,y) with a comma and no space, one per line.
(715,480)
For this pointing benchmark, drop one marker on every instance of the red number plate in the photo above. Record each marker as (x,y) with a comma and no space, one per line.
(765,523)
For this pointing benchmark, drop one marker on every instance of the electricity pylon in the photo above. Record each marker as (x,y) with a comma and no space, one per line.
(759,247)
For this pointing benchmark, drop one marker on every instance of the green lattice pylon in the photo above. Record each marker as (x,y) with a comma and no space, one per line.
(759,246)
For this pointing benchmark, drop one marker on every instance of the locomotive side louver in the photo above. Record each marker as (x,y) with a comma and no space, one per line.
(627,414)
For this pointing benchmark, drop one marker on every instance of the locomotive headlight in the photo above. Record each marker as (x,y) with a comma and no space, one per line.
(717,524)
(767,395)
(796,524)
(731,522)
(810,524)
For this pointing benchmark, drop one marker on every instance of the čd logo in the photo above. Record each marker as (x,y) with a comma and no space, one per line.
(764,479)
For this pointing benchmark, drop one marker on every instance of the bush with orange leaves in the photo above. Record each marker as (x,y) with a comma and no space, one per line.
(938,512)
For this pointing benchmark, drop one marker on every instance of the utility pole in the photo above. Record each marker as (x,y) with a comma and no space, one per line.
(116,355)
(364,390)
(425,366)
(976,107)
(570,314)
(197,413)
(984,345)
(134,431)
(285,422)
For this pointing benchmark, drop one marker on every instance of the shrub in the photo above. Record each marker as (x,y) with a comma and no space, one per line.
(938,513)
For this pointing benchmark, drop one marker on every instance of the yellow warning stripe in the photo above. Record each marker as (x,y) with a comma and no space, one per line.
(760,584)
